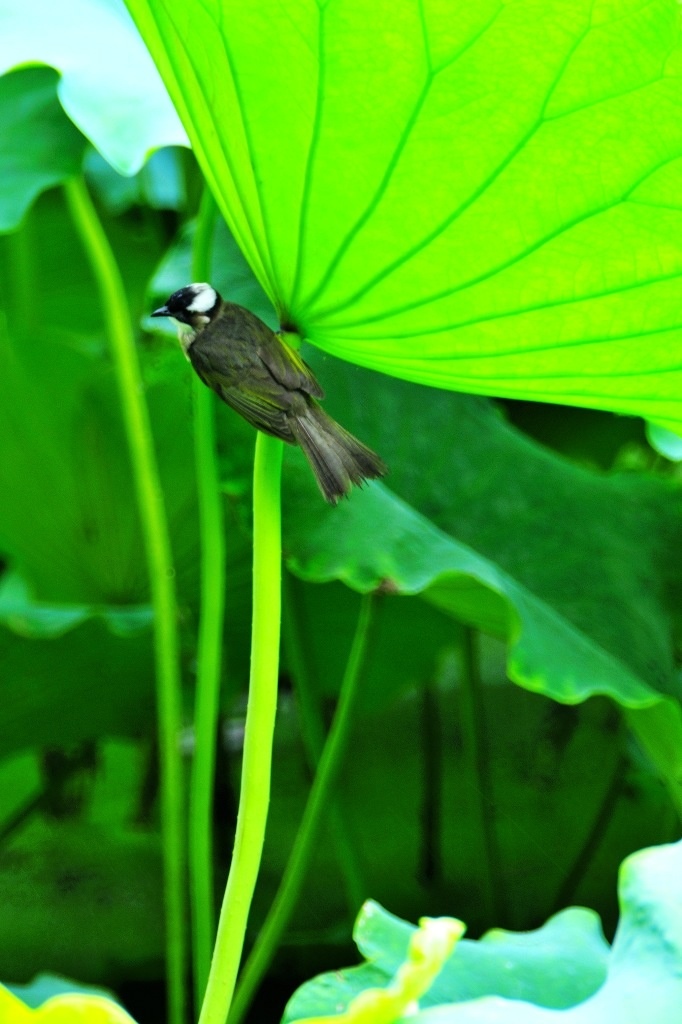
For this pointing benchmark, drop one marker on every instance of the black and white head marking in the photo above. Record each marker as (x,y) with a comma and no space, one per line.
(194,305)
(203,298)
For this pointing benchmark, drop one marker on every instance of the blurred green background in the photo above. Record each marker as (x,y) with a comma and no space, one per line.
(526,564)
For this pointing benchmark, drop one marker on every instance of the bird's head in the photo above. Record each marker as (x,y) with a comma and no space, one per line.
(194,305)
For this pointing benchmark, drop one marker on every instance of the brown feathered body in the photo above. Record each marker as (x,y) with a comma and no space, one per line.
(260,376)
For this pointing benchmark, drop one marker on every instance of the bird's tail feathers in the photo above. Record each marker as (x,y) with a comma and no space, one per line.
(337,459)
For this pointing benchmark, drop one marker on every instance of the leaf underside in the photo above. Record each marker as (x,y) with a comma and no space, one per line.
(484,199)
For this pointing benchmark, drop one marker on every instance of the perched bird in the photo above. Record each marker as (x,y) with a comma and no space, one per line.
(259,375)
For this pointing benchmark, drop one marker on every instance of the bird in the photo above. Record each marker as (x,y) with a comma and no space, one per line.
(257,373)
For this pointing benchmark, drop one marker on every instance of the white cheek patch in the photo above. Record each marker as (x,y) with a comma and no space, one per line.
(204,299)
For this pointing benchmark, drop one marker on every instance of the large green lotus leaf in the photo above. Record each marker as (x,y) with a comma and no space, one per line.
(109,86)
(69,517)
(39,147)
(68,677)
(642,982)
(30,618)
(71,672)
(45,257)
(82,899)
(483,197)
(575,568)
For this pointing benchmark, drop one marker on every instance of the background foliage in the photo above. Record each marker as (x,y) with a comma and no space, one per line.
(526,559)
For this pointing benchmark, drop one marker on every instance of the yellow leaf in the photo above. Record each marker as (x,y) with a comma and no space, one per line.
(71,1008)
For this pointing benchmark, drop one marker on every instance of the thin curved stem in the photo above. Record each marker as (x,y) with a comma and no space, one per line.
(161,574)
(294,875)
(209,645)
(259,730)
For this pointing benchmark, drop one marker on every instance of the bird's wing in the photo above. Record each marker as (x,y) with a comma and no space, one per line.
(287,367)
(264,404)
(258,411)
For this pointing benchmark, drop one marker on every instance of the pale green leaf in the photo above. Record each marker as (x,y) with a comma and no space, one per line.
(643,981)
(45,986)
(557,965)
(109,86)
(666,442)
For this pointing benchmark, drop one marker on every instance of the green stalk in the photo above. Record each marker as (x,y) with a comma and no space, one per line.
(332,758)
(161,575)
(259,730)
(209,646)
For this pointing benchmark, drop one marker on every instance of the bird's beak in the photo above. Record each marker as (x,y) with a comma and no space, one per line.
(161,311)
